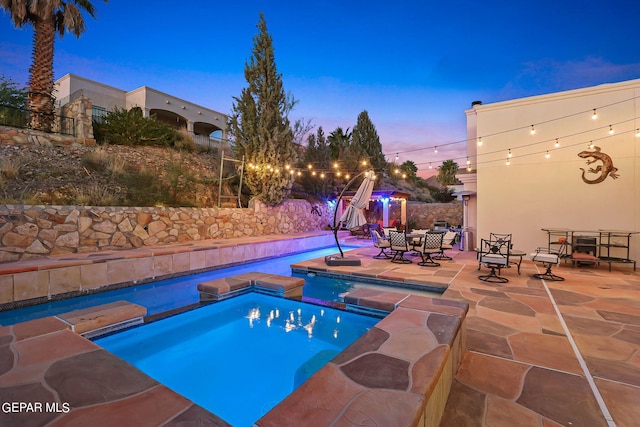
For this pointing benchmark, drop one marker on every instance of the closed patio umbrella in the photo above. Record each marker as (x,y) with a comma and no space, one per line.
(353,215)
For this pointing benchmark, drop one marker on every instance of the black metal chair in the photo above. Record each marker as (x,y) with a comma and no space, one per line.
(548,259)
(500,238)
(494,254)
(380,243)
(399,246)
(448,240)
(431,244)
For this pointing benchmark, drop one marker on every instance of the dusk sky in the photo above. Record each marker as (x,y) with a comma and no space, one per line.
(415,66)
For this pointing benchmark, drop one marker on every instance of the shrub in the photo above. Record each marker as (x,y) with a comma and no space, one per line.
(129,127)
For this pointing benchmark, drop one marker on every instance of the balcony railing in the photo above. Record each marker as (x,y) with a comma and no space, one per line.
(26,119)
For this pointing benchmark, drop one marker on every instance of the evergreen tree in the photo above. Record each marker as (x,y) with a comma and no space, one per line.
(318,155)
(366,138)
(259,124)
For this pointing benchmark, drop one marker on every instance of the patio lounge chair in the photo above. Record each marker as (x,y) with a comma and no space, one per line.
(494,254)
(380,243)
(431,244)
(399,246)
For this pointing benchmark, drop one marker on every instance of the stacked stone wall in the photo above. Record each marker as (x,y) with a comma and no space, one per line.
(423,215)
(36,231)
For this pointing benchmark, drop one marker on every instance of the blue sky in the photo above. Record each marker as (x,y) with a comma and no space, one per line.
(415,66)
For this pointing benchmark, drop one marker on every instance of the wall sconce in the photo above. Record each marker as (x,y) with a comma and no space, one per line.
(184,108)
(167,102)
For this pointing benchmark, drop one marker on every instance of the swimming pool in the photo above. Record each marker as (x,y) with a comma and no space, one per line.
(240,357)
(160,296)
(165,295)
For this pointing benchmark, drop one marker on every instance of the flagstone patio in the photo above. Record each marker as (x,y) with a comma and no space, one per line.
(538,353)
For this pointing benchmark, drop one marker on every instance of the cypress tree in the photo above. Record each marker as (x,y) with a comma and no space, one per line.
(259,124)
(366,138)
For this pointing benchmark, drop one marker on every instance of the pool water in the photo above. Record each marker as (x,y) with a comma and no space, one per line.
(240,357)
(160,296)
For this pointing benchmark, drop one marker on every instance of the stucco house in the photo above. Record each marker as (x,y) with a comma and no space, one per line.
(207,126)
(567,160)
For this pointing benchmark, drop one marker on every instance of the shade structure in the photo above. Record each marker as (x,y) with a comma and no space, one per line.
(353,216)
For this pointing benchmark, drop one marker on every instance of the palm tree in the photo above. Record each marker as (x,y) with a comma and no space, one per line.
(47,17)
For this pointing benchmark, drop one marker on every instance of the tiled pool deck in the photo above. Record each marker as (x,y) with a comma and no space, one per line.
(538,354)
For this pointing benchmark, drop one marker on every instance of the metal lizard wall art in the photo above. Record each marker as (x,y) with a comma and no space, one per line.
(605,169)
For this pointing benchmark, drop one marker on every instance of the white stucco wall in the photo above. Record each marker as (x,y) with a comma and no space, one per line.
(534,192)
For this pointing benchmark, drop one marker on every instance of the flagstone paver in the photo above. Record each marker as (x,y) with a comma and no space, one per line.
(519,367)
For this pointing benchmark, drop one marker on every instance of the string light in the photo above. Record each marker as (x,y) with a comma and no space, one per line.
(638,133)
(509,153)
(591,145)
(430,167)
(594,116)
(557,144)
(611,131)
(547,155)
(397,156)
(468,161)
(508,161)
(479,141)
(533,130)
(435,150)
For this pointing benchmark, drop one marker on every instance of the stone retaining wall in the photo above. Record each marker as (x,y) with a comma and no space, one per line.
(36,231)
(425,214)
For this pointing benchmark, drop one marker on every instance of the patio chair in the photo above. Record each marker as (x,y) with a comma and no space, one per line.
(448,240)
(500,238)
(416,242)
(399,246)
(380,243)
(548,259)
(432,244)
(386,231)
(494,254)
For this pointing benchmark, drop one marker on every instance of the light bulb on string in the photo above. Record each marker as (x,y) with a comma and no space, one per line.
(509,153)
(435,150)
(397,156)
(591,145)
(479,141)
(557,144)
(430,167)
(594,115)
(547,155)
(638,133)
(310,166)
(611,131)
(508,162)
(533,130)
(468,161)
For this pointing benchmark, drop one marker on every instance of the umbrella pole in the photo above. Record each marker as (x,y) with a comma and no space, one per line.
(336,227)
